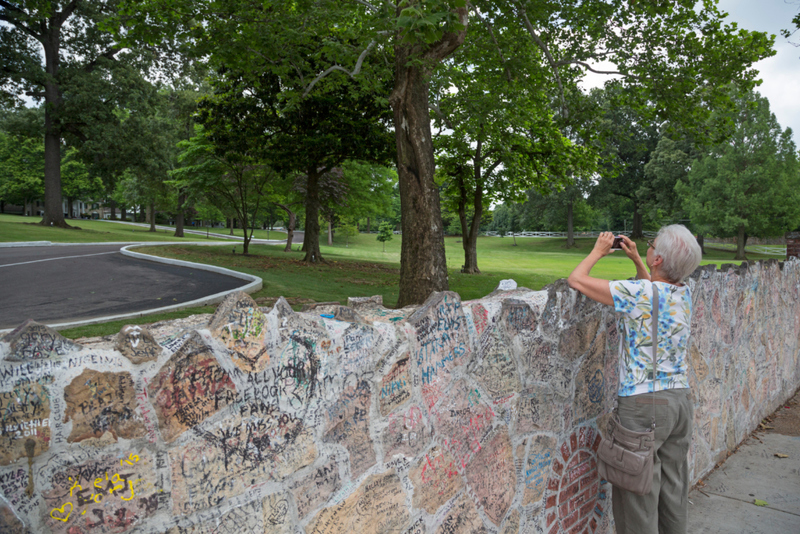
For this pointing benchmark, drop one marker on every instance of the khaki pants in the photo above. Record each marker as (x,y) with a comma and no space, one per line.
(665,509)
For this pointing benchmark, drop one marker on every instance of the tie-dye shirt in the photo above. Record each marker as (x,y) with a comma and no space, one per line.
(632,298)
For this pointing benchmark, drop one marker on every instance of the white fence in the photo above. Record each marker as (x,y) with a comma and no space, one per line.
(770,250)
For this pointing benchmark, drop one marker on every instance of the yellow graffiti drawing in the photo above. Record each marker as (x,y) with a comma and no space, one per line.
(131,456)
(74,486)
(130,483)
(62,511)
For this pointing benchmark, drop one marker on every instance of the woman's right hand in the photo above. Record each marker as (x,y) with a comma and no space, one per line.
(630,248)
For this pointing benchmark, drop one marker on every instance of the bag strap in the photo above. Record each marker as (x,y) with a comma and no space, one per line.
(655,348)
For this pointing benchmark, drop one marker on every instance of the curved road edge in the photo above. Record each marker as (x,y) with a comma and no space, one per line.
(254,284)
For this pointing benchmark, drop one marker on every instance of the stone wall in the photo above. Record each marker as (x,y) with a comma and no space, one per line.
(454,417)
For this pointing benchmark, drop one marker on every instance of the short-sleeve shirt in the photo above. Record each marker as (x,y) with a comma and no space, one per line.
(633,300)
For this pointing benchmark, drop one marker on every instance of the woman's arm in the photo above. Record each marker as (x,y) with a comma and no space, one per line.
(595,288)
(633,253)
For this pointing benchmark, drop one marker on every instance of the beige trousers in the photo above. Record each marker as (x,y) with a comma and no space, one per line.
(665,509)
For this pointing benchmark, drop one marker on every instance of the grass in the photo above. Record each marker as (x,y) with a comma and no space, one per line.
(364,269)
(17,228)
(113,327)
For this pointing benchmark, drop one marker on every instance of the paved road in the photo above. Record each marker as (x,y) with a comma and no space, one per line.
(63,284)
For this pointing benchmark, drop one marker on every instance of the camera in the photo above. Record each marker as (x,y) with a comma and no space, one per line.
(617,245)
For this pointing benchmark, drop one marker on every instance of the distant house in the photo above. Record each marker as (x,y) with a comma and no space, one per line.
(79,208)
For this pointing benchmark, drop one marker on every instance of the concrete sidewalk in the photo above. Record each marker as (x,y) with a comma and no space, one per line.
(723,502)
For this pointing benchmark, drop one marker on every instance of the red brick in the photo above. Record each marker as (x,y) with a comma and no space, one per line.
(568,492)
(579,527)
(573,440)
(579,471)
(589,479)
(586,437)
(550,518)
(587,508)
(599,508)
(567,522)
(595,488)
(573,462)
(565,451)
(553,483)
(556,529)
(593,524)
(558,467)
(585,455)
(596,443)
(563,510)
(551,502)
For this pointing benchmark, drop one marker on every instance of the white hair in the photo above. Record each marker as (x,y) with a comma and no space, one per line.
(680,251)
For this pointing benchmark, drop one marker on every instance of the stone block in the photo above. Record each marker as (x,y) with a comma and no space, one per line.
(190,387)
(9,522)
(517,316)
(511,525)
(461,518)
(137,344)
(240,325)
(34,341)
(347,424)
(376,507)
(440,340)
(239,520)
(396,386)
(316,488)
(590,383)
(497,370)
(436,479)
(575,340)
(463,421)
(24,423)
(537,468)
(102,402)
(112,492)
(408,433)
(492,476)
(539,409)
(258,444)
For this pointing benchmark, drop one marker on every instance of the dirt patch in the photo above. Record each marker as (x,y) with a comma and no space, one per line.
(786,419)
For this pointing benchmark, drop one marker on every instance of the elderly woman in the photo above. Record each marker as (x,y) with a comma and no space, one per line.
(672,256)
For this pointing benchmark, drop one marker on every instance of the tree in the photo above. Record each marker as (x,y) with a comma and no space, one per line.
(21,169)
(54,51)
(77,183)
(348,230)
(235,181)
(385,233)
(666,52)
(749,185)
(559,211)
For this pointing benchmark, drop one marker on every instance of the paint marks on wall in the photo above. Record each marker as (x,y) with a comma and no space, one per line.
(34,341)
(24,422)
(102,402)
(189,388)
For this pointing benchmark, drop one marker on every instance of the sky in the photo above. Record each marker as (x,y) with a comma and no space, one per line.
(780,73)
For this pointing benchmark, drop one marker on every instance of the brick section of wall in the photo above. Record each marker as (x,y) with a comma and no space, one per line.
(793,245)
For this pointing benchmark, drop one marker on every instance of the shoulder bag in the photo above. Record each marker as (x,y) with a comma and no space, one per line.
(625,457)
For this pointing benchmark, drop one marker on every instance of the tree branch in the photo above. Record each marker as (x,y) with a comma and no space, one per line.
(548,55)
(588,67)
(490,27)
(352,74)
(435,107)
(66,12)
(108,54)
(17,23)
(368,5)
(450,40)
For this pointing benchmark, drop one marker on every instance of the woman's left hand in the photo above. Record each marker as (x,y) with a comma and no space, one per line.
(603,244)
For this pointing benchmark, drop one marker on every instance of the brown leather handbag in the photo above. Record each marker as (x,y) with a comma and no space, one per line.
(625,457)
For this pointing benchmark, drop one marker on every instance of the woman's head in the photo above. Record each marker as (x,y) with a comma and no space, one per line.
(679,250)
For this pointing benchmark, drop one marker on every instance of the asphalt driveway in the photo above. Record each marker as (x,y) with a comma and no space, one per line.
(57,284)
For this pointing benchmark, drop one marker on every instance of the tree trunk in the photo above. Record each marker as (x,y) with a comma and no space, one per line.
(741,241)
(330,233)
(152,216)
(637,232)
(113,209)
(53,211)
(311,240)
(123,213)
(570,230)
(289,228)
(179,215)
(423,266)
(700,241)
(367,224)
(2,206)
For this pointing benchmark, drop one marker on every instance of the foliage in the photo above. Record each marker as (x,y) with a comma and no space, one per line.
(21,169)
(347,230)
(385,233)
(749,185)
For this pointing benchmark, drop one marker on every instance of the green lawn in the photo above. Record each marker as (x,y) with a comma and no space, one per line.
(363,269)
(18,228)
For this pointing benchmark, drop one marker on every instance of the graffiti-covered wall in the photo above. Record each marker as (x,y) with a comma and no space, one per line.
(454,417)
